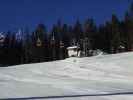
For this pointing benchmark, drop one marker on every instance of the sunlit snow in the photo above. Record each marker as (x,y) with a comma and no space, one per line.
(72,76)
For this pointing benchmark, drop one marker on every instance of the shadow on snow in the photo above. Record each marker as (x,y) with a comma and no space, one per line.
(70,96)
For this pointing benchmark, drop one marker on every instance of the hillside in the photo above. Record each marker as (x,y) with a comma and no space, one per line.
(72,76)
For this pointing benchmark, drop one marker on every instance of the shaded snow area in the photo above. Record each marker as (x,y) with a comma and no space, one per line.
(108,74)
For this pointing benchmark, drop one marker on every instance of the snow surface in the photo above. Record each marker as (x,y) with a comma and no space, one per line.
(72,76)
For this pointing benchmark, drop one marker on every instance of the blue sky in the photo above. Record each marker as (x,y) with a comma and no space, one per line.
(15,14)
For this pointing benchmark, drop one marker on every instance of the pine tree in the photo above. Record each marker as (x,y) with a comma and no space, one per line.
(115,34)
(129,29)
(90,31)
(40,43)
(77,31)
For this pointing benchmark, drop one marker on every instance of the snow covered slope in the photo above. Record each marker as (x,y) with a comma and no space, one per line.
(72,76)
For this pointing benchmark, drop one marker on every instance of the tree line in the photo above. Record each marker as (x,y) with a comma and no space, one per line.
(113,36)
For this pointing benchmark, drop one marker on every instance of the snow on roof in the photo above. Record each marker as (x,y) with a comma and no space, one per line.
(122,47)
(72,47)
